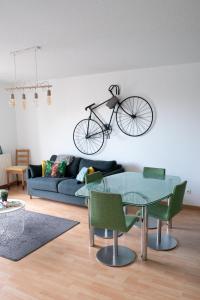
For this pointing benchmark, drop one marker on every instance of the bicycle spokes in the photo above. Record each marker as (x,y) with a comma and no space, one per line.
(88,136)
(134,116)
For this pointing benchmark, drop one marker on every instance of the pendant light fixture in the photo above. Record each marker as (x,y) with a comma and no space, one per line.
(12,101)
(36,86)
(23,101)
(49,100)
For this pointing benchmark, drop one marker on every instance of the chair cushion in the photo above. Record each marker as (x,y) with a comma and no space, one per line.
(69,186)
(45,183)
(98,165)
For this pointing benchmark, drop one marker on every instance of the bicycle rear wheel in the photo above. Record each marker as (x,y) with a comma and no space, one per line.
(134,116)
(88,136)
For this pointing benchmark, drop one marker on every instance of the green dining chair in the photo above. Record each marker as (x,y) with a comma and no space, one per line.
(103,233)
(157,173)
(154,173)
(106,211)
(96,176)
(164,212)
(89,178)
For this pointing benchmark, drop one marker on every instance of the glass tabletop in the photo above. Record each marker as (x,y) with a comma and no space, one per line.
(134,188)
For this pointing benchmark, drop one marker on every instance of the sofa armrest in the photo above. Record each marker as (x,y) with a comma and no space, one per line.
(34,171)
(120,169)
(28,173)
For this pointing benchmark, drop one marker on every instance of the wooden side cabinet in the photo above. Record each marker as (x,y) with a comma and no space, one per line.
(5,162)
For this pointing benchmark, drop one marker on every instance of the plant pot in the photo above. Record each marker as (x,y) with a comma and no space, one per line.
(4,195)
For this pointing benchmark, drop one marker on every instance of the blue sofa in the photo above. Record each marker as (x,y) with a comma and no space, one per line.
(63,189)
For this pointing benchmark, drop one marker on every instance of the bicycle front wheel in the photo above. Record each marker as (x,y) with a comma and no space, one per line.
(88,136)
(134,116)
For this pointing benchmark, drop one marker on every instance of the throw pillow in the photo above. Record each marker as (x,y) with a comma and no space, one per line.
(55,169)
(59,169)
(63,157)
(43,167)
(91,170)
(48,168)
(81,175)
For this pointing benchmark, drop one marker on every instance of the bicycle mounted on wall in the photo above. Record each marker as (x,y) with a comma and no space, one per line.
(134,116)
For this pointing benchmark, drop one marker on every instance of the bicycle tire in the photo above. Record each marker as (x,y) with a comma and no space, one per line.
(134,116)
(91,142)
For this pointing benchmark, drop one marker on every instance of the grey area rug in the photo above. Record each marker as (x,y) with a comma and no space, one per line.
(39,229)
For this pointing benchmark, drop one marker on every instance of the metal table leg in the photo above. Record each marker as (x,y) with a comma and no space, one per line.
(144,233)
(169,223)
(105,233)
(91,229)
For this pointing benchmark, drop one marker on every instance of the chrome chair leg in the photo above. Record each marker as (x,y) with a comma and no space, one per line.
(116,256)
(103,233)
(161,242)
(115,247)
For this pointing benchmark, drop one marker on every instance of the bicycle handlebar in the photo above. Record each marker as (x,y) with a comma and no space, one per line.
(89,106)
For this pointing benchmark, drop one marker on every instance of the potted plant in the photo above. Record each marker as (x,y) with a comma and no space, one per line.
(4,195)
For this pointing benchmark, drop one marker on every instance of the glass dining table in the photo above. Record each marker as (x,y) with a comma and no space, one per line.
(136,190)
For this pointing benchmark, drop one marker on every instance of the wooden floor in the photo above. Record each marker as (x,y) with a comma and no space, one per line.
(66,268)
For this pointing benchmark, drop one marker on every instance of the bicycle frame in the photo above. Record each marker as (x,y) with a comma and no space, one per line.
(105,126)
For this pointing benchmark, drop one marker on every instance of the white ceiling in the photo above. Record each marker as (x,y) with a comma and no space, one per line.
(92,36)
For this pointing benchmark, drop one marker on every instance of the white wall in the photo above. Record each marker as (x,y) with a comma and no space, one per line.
(8,132)
(172,143)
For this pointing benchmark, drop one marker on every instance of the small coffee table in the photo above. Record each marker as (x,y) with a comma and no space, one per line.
(12,220)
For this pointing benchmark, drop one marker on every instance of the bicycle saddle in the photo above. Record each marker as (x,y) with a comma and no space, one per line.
(89,106)
(112,102)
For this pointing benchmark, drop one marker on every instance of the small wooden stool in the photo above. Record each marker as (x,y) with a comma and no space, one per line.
(22,162)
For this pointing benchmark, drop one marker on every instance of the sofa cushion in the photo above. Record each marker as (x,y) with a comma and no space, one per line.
(69,186)
(45,183)
(73,168)
(98,165)
(35,170)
